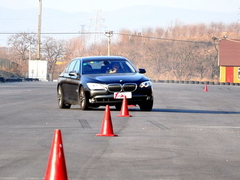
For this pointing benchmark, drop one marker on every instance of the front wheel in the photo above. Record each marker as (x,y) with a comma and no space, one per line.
(61,103)
(146,106)
(83,101)
(118,107)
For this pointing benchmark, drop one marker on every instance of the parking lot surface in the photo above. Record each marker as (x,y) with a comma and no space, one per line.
(189,134)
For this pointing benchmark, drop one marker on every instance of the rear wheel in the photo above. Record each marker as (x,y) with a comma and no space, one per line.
(83,99)
(61,103)
(146,106)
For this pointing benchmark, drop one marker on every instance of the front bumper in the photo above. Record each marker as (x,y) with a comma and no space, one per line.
(104,97)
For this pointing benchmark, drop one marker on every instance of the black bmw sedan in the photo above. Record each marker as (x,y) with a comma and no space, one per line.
(103,80)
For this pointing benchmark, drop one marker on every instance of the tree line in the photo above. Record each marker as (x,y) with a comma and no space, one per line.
(176,52)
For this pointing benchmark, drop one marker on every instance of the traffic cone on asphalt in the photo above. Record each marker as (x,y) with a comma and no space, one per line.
(132,105)
(124,109)
(107,128)
(205,88)
(56,168)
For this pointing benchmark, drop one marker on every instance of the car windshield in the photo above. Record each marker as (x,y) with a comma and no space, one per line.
(107,67)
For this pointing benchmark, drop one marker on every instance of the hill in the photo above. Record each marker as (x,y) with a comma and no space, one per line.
(132,18)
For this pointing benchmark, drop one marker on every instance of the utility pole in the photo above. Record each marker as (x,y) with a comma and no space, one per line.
(39,29)
(109,34)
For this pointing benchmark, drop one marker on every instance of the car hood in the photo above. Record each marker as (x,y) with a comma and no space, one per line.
(116,78)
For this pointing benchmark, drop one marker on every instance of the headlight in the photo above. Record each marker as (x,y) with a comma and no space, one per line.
(145,84)
(96,86)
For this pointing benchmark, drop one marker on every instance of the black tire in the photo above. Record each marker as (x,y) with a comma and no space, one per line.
(146,106)
(83,100)
(60,96)
(118,107)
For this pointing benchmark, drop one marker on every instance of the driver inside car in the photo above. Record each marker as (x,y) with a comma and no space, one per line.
(115,68)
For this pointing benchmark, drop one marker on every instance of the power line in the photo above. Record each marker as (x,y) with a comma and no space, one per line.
(97,25)
(53,33)
(132,35)
(166,39)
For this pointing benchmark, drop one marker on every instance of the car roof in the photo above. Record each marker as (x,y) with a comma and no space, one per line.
(94,58)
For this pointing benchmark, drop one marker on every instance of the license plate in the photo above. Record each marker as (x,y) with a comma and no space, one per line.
(120,95)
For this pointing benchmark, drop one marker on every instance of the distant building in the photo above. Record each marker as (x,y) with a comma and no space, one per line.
(229,60)
(37,69)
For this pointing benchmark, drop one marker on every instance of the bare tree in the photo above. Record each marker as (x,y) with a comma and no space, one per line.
(20,46)
(3,52)
(52,50)
(76,47)
(179,51)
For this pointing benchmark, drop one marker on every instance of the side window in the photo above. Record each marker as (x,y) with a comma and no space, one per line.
(76,67)
(71,66)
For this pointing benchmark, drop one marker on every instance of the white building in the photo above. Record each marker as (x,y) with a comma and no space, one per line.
(37,69)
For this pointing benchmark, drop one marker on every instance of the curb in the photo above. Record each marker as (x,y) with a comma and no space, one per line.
(196,82)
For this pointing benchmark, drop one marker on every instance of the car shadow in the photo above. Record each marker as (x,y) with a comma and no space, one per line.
(102,108)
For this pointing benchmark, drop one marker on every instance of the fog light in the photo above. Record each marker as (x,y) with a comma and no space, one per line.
(92,100)
(149,98)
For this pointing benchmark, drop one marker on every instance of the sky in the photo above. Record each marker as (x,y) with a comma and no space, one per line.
(108,5)
(228,6)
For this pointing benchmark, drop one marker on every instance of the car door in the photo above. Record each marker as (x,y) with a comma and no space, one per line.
(66,82)
(74,81)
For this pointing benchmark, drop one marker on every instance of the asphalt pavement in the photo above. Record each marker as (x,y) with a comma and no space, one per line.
(189,134)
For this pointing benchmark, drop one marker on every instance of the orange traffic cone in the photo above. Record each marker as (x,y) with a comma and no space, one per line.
(132,105)
(124,109)
(107,129)
(205,88)
(56,168)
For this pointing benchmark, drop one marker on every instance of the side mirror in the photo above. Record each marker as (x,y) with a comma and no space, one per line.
(142,71)
(73,73)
